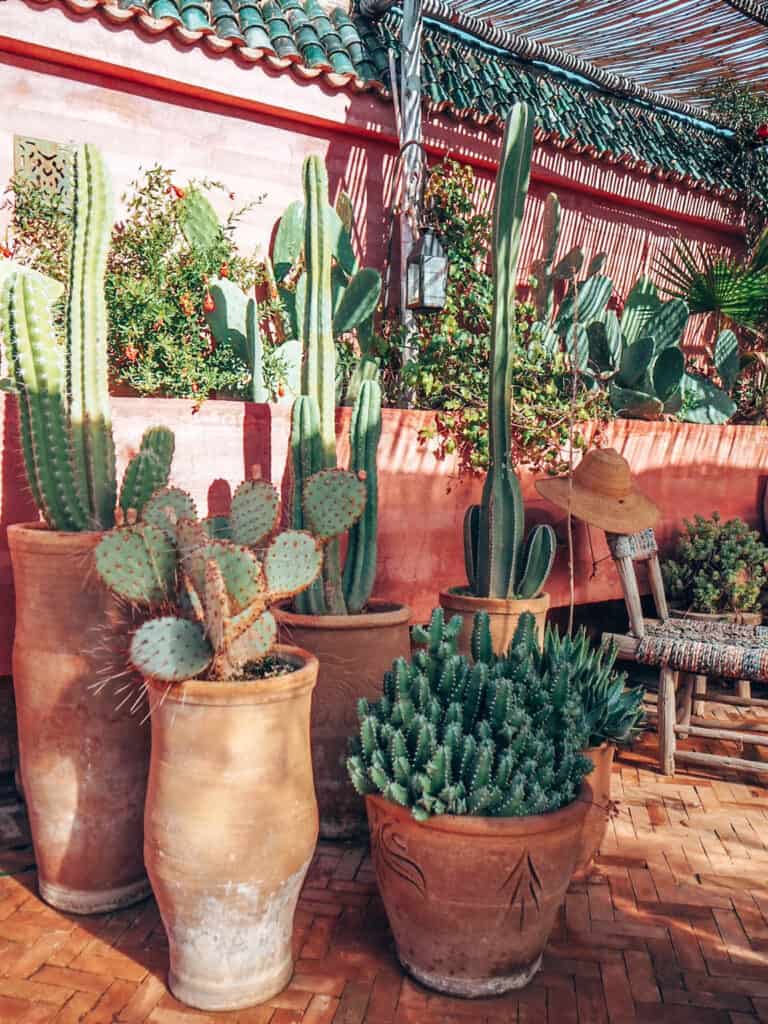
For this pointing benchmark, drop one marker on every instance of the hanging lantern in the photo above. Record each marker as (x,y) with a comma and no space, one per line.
(427,273)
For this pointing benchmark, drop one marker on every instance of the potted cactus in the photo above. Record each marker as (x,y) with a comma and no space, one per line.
(476,790)
(614,716)
(505,572)
(354,635)
(231,820)
(83,764)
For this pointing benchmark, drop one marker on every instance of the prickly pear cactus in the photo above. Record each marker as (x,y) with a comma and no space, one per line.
(221,591)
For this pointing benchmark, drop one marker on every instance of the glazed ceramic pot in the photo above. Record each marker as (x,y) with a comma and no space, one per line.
(598,815)
(354,652)
(83,759)
(230,829)
(471,901)
(503,614)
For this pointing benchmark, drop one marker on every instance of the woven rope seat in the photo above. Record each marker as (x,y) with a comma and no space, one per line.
(706,648)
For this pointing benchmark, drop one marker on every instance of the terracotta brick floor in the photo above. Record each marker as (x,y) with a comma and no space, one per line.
(672,927)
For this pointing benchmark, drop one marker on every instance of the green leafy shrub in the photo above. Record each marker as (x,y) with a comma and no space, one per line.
(450,372)
(156,286)
(501,737)
(717,567)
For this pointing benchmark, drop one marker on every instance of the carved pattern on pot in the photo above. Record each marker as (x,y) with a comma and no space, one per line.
(526,887)
(389,850)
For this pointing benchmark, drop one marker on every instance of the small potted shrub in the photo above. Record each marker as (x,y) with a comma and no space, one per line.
(83,765)
(355,636)
(717,569)
(474,779)
(506,573)
(231,820)
(614,715)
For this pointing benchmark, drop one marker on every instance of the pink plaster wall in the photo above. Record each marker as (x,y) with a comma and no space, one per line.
(684,468)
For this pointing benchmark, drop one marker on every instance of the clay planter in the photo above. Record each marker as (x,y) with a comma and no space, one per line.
(83,760)
(230,829)
(471,901)
(354,652)
(504,615)
(596,821)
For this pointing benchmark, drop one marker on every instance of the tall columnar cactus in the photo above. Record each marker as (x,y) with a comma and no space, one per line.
(62,390)
(313,434)
(499,562)
(212,596)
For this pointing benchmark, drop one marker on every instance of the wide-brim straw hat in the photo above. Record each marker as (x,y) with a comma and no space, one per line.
(602,494)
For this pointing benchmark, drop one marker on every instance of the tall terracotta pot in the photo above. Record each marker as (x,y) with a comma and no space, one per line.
(83,759)
(598,815)
(504,615)
(354,652)
(230,829)
(472,901)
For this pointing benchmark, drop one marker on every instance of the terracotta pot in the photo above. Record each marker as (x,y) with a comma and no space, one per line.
(83,759)
(504,615)
(230,829)
(354,652)
(596,821)
(471,901)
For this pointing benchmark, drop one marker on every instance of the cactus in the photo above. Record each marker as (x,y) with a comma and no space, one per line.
(198,221)
(62,390)
(220,591)
(499,738)
(326,500)
(499,562)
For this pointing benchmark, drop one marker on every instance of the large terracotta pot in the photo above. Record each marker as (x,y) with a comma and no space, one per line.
(354,652)
(503,614)
(471,901)
(596,821)
(83,759)
(230,829)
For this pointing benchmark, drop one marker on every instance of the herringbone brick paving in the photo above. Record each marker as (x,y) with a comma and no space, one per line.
(671,927)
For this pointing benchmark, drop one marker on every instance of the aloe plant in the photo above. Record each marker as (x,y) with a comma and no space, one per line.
(62,389)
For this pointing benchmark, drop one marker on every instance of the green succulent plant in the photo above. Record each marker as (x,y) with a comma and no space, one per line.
(211,596)
(717,567)
(502,737)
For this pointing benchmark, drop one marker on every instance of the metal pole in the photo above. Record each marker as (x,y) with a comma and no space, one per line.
(411,154)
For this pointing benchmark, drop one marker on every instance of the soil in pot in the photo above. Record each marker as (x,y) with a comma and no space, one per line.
(598,815)
(503,615)
(83,758)
(230,829)
(471,901)
(354,652)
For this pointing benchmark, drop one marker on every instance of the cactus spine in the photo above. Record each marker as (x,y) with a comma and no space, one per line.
(313,433)
(62,390)
(498,562)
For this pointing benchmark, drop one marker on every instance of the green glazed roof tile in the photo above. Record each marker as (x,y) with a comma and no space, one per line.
(194,15)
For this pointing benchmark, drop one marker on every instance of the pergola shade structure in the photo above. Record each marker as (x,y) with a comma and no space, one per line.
(676,47)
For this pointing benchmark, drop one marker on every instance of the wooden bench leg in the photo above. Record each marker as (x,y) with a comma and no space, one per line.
(744,689)
(683,697)
(699,706)
(667,720)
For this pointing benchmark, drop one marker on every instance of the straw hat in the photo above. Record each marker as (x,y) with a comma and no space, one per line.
(603,494)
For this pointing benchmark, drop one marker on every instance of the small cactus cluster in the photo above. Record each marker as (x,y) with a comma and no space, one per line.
(211,595)
(499,561)
(324,497)
(62,390)
(502,737)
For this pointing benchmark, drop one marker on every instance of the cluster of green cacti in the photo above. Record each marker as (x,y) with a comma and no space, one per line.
(323,250)
(211,595)
(499,561)
(354,290)
(233,316)
(501,737)
(62,389)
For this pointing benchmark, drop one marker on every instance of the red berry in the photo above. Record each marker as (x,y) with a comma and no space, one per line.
(131,353)
(178,192)
(280,391)
(209,305)
(224,270)
(762,131)
(5,252)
